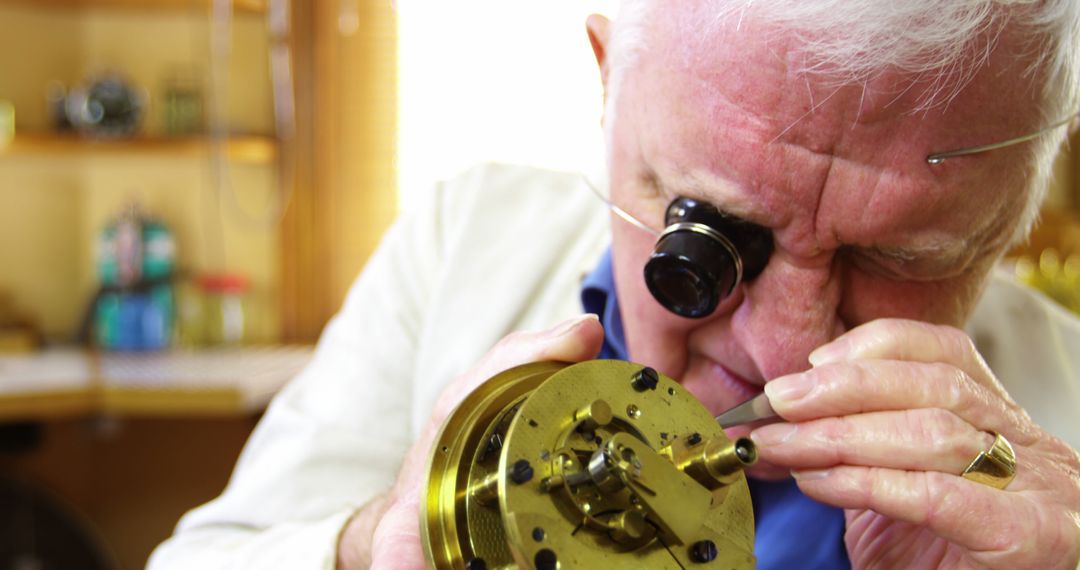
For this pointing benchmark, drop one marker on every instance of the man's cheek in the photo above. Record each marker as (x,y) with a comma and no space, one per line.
(868,297)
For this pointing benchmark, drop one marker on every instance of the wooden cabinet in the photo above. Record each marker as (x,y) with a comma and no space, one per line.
(58,190)
(137,464)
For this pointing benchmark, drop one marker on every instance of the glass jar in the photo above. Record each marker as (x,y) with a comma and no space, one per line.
(224,309)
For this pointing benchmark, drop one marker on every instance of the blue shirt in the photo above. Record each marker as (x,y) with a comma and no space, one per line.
(791,529)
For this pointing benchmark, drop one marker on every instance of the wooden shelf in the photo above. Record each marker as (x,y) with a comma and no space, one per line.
(71,383)
(240,6)
(250,149)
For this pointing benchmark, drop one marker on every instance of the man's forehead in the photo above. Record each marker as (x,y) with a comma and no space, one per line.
(734,125)
(730,52)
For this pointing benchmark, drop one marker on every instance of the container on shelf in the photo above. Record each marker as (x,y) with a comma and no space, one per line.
(182,103)
(214,311)
(135,306)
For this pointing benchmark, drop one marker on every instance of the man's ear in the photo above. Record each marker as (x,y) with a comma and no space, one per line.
(599,29)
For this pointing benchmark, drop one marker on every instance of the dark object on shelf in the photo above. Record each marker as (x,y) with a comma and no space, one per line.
(107,106)
(37,530)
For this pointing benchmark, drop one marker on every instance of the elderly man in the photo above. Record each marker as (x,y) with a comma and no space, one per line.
(827,128)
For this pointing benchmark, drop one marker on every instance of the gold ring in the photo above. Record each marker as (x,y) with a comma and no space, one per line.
(994,467)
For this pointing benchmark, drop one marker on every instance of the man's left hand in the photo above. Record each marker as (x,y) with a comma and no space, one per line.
(885,423)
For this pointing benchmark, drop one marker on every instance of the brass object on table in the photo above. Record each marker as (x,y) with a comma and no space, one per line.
(602,463)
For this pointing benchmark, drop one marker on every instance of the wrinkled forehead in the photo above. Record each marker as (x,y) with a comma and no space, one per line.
(735,101)
(924,68)
(688,64)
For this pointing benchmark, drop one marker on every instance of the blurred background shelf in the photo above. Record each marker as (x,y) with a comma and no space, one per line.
(248,149)
(241,6)
(72,383)
(296,204)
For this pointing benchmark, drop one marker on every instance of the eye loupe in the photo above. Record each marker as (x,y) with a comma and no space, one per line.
(702,255)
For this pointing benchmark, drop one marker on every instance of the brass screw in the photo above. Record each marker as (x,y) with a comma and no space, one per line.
(521,472)
(645,379)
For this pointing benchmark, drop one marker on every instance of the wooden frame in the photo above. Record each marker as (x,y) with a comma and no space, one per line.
(342,156)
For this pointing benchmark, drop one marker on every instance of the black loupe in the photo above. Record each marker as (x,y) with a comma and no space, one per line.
(702,255)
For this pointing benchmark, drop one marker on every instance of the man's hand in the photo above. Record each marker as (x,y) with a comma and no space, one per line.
(386,533)
(883,425)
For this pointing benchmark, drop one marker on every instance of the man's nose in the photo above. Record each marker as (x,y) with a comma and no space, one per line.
(787,311)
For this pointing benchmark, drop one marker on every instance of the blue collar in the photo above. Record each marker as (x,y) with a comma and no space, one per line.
(791,530)
(598,296)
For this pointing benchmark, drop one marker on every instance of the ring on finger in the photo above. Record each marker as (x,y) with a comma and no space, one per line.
(995,467)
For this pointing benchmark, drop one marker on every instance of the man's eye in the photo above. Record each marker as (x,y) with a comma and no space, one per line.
(899,269)
(872,265)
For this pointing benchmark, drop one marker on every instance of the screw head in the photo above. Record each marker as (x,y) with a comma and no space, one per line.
(645,379)
(703,551)
(521,472)
(746,451)
(546,560)
(495,443)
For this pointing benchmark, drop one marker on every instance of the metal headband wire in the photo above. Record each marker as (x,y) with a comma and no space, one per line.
(939,157)
(619,211)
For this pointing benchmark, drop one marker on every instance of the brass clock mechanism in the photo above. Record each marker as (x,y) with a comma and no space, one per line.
(588,465)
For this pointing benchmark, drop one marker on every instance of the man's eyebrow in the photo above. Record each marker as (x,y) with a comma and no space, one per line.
(692,187)
(941,249)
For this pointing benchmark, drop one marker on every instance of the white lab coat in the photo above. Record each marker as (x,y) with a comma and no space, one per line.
(498,249)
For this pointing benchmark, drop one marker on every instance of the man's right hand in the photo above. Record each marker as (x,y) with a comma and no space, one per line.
(385,534)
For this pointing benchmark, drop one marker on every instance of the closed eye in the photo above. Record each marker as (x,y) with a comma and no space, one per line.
(898,265)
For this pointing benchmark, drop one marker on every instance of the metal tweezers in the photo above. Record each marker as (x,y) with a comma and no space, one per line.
(752,410)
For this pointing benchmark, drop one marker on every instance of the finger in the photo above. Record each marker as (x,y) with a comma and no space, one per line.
(573,340)
(979,518)
(856,387)
(928,439)
(396,543)
(900,339)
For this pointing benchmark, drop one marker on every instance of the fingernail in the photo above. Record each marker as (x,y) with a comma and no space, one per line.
(774,434)
(811,474)
(568,326)
(826,353)
(787,389)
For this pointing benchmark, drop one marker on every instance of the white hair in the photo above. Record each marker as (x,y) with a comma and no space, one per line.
(945,41)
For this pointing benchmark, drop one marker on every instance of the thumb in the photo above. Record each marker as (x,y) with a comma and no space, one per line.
(396,543)
(572,340)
